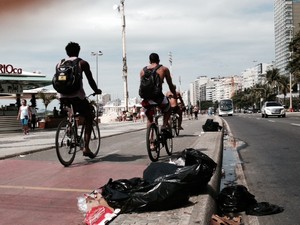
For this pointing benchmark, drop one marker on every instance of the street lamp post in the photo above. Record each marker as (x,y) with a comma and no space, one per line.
(171,62)
(120,9)
(290,29)
(291,97)
(97,54)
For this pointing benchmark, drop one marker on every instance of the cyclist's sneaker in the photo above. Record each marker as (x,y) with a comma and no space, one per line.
(180,128)
(88,154)
(166,132)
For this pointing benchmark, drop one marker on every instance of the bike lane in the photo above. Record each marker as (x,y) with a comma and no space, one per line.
(45,192)
(42,192)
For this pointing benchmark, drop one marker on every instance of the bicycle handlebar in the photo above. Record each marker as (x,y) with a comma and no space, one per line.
(93,94)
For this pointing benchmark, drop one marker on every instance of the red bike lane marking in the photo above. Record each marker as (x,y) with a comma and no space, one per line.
(43,192)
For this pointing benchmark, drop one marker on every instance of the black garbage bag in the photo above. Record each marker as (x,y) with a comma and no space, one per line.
(236,198)
(263,209)
(158,170)
(163,195)
(206,169)
(139,195)
(118,192)
(211,125)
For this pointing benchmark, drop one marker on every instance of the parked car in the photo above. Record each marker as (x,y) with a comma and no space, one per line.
(272,108)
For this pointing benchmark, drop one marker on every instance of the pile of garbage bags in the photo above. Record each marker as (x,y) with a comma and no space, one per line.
(237,198)
(163,186)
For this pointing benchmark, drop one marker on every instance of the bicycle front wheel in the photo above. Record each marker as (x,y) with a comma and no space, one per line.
(152,142)
(95,141)
(65,143)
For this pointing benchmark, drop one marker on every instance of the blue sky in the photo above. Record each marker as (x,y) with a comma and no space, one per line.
(213,38)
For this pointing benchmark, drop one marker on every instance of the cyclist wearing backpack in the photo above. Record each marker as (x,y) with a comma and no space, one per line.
(158,98)
(78,98)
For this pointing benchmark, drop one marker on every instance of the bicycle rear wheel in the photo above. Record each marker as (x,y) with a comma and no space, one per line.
(95,141)
(175,124)
(168,143)
(65,143)
(152,142)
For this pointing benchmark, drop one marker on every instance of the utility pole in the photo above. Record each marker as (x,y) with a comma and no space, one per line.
(126,94)
(97,54)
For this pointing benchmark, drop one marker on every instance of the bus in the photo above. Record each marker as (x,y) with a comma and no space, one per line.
(225,107)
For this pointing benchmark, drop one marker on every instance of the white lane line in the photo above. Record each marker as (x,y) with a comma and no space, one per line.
(295,124)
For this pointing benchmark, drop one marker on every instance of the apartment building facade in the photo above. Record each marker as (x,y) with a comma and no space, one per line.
(286,25)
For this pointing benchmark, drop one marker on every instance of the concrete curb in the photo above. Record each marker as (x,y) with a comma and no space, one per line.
(206,205)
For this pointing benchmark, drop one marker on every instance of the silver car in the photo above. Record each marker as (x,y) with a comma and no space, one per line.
(272,108)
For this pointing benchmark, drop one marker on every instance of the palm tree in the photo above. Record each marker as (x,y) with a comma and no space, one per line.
(284,86)
(47,99)
(273,78)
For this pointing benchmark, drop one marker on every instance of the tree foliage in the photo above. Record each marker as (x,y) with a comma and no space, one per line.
(47,99)
(294,62)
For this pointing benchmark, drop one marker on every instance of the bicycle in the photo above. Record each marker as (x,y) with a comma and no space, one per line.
(156,139)
(174,123)
(69,137)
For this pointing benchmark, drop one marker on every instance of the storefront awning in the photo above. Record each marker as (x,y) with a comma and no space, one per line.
(13,84)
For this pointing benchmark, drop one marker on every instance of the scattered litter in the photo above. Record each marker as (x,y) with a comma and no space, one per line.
(163,186)
(22,156)
(225,220)
(96,209)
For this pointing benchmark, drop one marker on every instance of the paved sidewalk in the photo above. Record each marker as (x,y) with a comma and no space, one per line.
(13,144)
(201,207)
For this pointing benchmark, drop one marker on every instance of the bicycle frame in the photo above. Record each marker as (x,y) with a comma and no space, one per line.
(74,119)
(68,138)
(155,139)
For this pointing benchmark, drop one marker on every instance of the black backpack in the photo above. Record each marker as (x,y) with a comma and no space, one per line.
(150,87)
(67,78)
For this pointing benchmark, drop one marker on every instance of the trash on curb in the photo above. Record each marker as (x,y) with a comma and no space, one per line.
(96,209)
(210,125)
(163,186)
(225,220)
(234,199)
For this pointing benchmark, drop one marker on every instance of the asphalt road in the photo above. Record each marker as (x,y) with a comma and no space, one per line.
(271,162)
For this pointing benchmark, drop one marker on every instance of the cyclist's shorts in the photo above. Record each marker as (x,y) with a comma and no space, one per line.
(164,105)
(82,106)
(175,109)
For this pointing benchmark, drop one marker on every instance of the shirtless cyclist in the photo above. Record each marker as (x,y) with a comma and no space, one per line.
(176,106)
(162,101)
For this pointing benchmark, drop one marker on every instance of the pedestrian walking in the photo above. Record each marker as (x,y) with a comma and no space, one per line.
(24,115)
(33,117)
(196,111)
(142,114)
